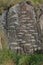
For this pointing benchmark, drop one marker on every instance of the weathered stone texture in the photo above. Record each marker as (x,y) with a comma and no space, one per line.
(22,30)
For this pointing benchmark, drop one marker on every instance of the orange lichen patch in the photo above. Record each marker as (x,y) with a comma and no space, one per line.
(0,44)
(10,62)
(41,63)
(3,39)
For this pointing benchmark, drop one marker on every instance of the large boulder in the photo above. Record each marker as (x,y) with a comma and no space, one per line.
(21,25)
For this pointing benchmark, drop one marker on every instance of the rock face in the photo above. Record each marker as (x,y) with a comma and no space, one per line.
(22,28)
